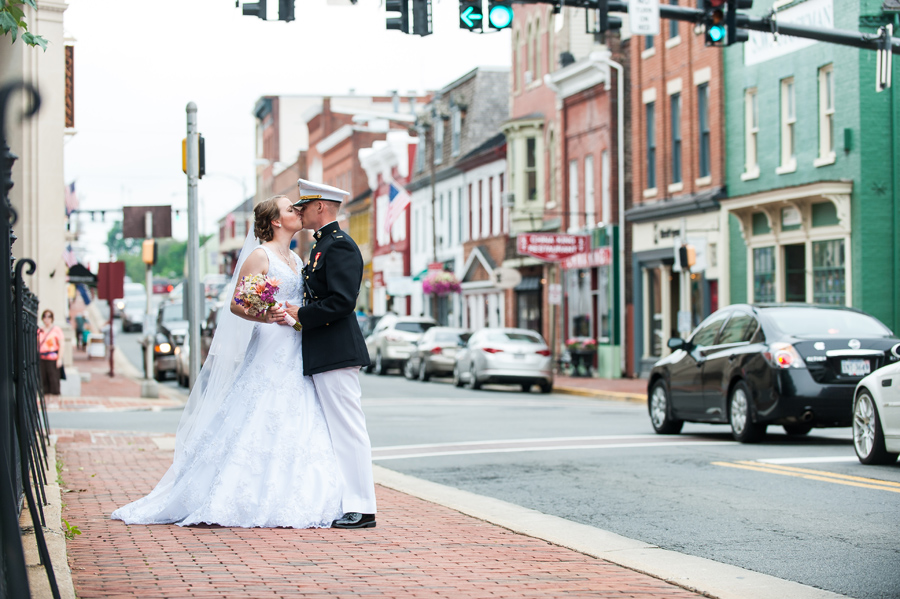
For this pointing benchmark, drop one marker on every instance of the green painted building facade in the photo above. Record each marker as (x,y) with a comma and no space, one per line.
(813,165)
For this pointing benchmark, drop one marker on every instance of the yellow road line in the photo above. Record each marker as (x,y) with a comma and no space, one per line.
(828,477)
(832,474)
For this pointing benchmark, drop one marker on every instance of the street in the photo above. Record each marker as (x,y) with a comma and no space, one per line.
(801,509)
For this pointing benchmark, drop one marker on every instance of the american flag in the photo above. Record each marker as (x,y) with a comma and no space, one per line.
(71,199)
(398,200)
(69,256)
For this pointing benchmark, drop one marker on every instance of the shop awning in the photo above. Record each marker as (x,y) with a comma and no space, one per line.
(529,284)
(78,273)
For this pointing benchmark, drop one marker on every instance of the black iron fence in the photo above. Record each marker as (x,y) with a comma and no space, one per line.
(24,428)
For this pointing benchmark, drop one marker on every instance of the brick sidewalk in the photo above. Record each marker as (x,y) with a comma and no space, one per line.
(419,549)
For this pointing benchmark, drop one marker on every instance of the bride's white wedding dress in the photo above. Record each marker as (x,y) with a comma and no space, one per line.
(262,456)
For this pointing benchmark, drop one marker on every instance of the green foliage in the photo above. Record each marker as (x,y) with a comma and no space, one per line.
(170,261)
(12,19)
(71,531)
(119,244)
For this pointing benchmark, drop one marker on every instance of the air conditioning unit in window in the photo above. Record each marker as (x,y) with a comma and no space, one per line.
(509,200)
(529,77)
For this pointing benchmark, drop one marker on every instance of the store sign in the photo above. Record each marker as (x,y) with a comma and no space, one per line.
(592,259)
(763,46)
(551,247)
(554,294)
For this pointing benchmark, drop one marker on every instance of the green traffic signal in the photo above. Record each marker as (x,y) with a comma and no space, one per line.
(500,15)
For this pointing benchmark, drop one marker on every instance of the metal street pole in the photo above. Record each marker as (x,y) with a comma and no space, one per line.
(434,297)
(193,250)
(149,388)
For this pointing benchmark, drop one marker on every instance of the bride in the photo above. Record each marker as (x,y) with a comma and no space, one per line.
(252,447)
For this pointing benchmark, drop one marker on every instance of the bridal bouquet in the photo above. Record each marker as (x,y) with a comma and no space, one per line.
(256,293)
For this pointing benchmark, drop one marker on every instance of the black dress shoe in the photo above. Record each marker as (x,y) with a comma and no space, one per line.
(354,520)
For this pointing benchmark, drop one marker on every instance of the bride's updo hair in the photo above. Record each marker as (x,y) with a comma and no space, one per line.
(263,215)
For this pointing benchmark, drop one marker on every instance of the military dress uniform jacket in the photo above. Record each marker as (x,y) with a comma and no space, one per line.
(331,335)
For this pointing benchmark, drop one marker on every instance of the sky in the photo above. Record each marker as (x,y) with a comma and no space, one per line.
(138,64)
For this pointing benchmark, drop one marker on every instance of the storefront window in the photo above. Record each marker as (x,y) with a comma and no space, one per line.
(654,294)
(578,287)
(828,272)
(602,304)
(764,274)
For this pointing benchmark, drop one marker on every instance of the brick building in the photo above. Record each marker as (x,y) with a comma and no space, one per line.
(678,171)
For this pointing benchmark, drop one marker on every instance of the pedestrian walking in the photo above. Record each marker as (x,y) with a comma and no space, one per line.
(252,448)
(50,342)
(334,348)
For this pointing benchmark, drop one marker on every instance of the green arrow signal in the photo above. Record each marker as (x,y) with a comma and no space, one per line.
(468,18)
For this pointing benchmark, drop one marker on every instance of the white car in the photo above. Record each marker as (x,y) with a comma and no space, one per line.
(505,356)
(876,416)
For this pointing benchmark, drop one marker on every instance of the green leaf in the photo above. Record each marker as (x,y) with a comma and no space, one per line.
(34,40)
(17,13)
(8,23)
(31,3)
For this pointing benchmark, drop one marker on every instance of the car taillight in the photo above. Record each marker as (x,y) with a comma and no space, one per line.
(784,355)
(393,337)
(435,350)
(543,352)
(491,350)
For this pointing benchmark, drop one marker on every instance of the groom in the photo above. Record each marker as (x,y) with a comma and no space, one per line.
(333,346)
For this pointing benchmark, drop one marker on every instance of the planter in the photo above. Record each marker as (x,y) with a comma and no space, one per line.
(583,362)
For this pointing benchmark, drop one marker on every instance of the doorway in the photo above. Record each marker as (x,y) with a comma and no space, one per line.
(795,272)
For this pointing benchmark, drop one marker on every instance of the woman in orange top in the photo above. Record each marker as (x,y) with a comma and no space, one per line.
(50,340)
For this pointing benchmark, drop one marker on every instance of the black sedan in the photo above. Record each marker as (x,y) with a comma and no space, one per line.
(795,365)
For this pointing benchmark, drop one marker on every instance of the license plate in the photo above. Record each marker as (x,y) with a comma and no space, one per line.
(519,356)
(855,367)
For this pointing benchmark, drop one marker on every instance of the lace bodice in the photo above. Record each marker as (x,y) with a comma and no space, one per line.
(291,282)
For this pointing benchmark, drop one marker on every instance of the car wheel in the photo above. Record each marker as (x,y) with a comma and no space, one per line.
(159,375)
(368,369)
(408,373)
(868,437)
(660,411)
(743,429)
(546,387)
(456,380)
(472,383)
(380,368)
(423,373)
(797,430)
(526,387)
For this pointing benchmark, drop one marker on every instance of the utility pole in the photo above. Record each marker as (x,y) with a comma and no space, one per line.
(149,388)
(193,250)
(434,117)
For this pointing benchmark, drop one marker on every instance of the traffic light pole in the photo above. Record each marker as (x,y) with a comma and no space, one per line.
(193,249)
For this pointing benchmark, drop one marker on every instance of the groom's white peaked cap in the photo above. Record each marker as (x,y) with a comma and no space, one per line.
(310,191)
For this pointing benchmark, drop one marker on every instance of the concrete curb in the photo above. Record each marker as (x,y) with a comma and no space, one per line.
(54,535)
(639,398)
(697,574)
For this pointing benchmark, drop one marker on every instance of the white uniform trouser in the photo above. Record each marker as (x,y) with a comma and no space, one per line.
(341,399)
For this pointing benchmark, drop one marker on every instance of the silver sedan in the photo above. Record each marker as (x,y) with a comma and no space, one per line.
(504,355)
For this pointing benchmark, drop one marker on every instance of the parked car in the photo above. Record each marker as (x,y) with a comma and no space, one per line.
(393,339)
(183,362)
(750,366)
(435,353)
(162,286)
(133,313)
(876,415)
(213,284)
(171,329)
(504,355)
(131,291)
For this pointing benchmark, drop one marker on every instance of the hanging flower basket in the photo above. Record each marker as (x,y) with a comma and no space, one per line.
(440,283)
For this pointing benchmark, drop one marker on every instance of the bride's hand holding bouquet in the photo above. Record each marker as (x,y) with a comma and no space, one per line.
(255,294)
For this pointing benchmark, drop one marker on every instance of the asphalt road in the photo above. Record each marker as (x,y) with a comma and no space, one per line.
(802,509)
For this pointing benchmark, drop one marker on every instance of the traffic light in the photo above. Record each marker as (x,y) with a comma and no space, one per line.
(737,35)
(148,252)
(421,17)
(470,15)
(255,9)
(201,157)
(687,256)
(401,22)
(500,14)
(714,22)
(606,22)
(285,10)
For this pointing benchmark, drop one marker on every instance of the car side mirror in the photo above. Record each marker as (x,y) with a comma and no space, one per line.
(676,343)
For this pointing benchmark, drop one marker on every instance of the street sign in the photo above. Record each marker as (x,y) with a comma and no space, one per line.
(470,15)
(643,17)
(601,256)
(133,221)
(551,247)
(554,294)
(506,278)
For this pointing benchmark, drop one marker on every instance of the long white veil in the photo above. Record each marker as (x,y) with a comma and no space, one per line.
(229,345)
